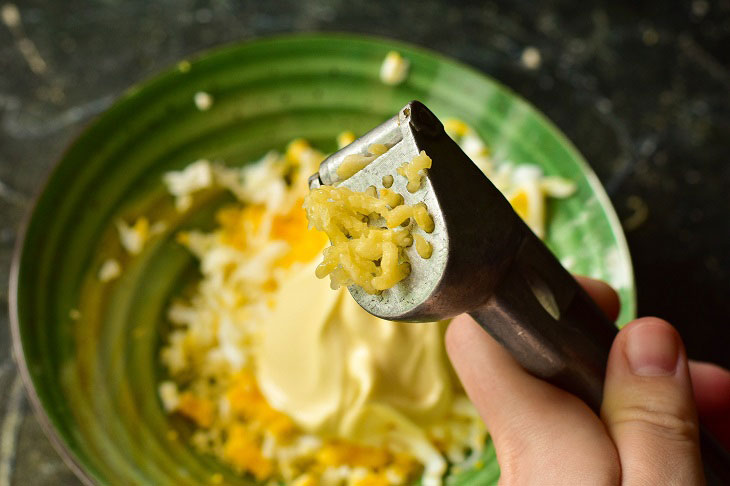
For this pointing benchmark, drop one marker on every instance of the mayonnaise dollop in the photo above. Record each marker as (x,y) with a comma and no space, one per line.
(340,372)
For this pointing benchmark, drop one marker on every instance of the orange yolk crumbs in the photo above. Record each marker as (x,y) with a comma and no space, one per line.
(294,228)
(243,451)
(255,417)
(242,447)
(519,204)
(247,401)
(236,222)
(373,480)
(340,453)
(199,410)
(305,244)
(337,453)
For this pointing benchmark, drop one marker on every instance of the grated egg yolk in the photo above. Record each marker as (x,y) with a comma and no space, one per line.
(305,243)
(373,480)
(243,451)
(305,480)
(528,203)
(236,222)
(519,203)
(200,410)
(338,453)
(247,401)
(292,227)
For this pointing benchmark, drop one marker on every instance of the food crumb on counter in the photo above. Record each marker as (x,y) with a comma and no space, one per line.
(531,58)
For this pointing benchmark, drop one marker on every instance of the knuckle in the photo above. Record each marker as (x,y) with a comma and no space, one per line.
(673,425)
(537,459)
(511,453)
(513,456)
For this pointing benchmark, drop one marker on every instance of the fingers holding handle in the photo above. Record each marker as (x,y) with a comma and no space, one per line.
(648,406)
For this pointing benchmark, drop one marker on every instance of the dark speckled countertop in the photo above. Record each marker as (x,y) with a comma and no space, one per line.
(643,91)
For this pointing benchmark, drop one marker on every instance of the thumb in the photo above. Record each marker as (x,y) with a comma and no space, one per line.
(648,406)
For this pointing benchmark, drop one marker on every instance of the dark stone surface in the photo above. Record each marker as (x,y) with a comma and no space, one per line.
(643,91)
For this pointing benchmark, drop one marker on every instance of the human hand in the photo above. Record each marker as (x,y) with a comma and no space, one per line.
(648,429)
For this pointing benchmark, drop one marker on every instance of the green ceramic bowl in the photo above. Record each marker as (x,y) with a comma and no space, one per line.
(88,352)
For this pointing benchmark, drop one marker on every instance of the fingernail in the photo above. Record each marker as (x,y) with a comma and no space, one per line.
(652,350)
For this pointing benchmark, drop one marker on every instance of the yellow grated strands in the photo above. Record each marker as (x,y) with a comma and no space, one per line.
(415,170)
(392,198)
(423,219)
(361,254)
(353,164)
(200,410)
(378,148)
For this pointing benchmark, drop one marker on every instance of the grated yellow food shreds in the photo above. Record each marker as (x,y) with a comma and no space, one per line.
(354,163)
(415,170)
(391,198)
(362,253)
(378,148)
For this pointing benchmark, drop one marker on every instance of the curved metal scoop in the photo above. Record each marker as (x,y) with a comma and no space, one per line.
(419,297)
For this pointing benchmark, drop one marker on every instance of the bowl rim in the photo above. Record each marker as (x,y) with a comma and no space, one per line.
(59,443)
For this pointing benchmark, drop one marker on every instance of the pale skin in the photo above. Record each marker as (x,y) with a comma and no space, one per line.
(647,430)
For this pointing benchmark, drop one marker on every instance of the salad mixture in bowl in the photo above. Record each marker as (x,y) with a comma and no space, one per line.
(285,379)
